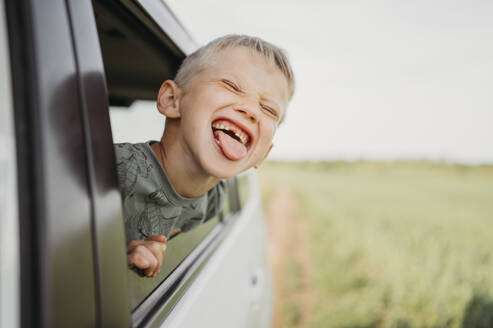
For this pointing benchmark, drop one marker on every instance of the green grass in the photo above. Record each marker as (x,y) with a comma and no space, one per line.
(291,307)
(403,244)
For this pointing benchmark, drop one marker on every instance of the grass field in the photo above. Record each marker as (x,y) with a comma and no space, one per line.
(392,244)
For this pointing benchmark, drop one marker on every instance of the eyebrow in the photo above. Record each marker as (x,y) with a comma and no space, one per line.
(263,97)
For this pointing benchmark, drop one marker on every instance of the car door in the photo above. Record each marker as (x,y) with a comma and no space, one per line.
(57,277)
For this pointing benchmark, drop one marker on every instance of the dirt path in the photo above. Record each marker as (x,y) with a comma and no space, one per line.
(288,244)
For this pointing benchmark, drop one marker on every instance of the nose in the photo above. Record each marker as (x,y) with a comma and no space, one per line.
(248,111)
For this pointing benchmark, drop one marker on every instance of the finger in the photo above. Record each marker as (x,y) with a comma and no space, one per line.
(158,250)
(133,243)
(158,238)
(162,248)
(141,257)
(150,272)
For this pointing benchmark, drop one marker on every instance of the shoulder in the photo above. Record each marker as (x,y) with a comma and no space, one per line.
(217,190)
(124,151)
(132,161)
(133,155)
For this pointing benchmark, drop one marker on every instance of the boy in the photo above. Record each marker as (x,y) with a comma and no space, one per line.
(222,111)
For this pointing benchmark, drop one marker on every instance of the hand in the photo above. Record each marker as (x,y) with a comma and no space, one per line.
(147,254)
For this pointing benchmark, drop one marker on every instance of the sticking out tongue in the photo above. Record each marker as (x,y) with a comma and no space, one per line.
(232,148)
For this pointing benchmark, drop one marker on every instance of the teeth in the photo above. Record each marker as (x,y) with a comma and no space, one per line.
(241,137)
(239,134)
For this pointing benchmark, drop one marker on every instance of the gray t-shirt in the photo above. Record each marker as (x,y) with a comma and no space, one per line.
(151,206)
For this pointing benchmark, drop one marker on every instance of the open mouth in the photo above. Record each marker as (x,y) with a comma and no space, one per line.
(233,140)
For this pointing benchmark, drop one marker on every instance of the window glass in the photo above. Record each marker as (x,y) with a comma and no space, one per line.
(9,253)
(244,188)
(177,249)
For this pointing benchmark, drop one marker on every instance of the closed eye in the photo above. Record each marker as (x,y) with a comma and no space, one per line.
(231,85)
(269,110)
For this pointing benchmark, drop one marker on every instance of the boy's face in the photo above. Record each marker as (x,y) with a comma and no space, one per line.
(229,112)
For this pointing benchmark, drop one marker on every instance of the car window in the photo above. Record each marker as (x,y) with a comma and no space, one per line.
(136,61)
(9,243)
(229,207)
(138,122)
(244,188)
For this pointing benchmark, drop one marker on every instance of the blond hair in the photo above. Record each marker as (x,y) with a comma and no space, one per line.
(198,60)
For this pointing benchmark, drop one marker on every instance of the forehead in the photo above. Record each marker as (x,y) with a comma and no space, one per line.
(251,69)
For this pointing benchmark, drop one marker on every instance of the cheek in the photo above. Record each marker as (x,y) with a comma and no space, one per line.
(267,135)
(192,111)
(270,130)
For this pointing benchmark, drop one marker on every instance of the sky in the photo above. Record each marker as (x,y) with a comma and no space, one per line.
(375,79)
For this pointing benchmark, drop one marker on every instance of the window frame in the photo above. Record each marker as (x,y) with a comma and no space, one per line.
(107,224)
(9,224)
(55,245)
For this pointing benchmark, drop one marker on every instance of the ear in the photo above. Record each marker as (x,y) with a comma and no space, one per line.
(168,99)
(265,156)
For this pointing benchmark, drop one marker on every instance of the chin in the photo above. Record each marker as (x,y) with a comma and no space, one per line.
(222,170)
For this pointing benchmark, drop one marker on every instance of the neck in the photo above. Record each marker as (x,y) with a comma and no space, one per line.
(183,172)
